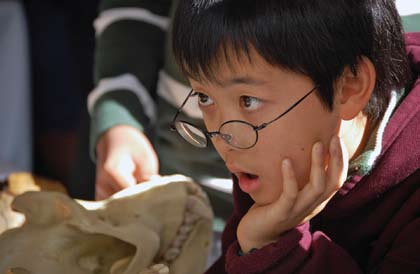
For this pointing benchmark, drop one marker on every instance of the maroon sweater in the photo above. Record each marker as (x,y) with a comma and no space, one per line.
(372,225)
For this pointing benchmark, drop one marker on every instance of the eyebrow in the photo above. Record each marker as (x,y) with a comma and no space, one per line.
(242,80)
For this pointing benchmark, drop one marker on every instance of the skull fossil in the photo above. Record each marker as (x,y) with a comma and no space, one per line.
(160,226)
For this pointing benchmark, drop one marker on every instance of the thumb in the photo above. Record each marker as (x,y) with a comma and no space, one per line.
(126,171)
(146,166)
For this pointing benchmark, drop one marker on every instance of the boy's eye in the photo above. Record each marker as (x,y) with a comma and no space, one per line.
(250,103)
(204,100)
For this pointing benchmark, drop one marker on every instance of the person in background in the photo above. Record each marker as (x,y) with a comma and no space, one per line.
(138,87)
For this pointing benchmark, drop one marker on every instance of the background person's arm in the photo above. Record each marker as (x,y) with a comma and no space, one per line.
(128,56)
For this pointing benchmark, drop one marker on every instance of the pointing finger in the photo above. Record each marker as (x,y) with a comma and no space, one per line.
(288,197)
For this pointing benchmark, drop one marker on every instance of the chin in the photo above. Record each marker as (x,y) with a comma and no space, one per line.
(261,202)
(269,196)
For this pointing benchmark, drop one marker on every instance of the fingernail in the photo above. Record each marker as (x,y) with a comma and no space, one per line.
(286,163)
(319,149)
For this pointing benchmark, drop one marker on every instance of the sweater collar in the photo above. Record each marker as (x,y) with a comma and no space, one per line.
(364,163)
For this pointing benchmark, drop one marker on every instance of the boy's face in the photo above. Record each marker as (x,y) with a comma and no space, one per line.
(257,92)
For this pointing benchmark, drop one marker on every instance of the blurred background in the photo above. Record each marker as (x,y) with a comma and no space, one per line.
(46,73)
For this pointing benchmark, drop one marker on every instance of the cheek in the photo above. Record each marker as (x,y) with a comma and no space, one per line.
(294,139)
(294,149)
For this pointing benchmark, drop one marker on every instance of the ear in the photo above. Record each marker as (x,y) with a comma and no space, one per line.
(354,91)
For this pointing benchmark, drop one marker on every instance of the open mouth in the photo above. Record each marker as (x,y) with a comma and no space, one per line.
(250,176)
(246,175)
(248,182)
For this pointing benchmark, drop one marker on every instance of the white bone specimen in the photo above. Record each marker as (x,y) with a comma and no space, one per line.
(161,226)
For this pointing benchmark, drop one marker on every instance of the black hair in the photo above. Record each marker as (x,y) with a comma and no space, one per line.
(318,38)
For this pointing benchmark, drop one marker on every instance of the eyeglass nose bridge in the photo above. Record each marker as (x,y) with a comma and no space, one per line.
(227,138)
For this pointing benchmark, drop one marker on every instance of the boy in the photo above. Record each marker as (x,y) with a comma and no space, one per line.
(287,90)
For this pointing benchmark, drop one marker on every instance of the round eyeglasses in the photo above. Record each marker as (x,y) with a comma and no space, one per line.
(236,133)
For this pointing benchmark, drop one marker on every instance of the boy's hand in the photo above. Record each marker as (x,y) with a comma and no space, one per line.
(264,224)
(124,158)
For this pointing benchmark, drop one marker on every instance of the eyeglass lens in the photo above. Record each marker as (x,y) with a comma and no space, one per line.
(235,133)
(242,135)
(192,134)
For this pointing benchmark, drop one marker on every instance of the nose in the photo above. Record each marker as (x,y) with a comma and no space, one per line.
(225,150)
(214,123)
(219,139)
(222,144)
(227,138)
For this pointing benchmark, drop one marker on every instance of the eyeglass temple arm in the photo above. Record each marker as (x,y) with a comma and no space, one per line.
(178,111)
(263,125)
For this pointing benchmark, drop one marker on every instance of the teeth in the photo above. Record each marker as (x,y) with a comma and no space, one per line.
(195,210)
(120,265)
(178,242)
(156,269)
(185,229)
(182,237)
(191,218)
(171,254)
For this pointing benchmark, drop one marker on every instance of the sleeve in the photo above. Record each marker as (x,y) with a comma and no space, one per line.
(404,254)
(302,251)
(401,238)
(130,38)
(297,251)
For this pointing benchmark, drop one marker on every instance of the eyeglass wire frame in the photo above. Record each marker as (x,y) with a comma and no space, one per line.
(227,137)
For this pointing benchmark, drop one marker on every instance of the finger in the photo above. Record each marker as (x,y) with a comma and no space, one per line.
(337,165)
(146,169)
(317,179)
(287,199)
(99,194)
(120,172)
(290,185)
(147,164)
(315,188)
(336,175)
(102,192)
(105,185)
